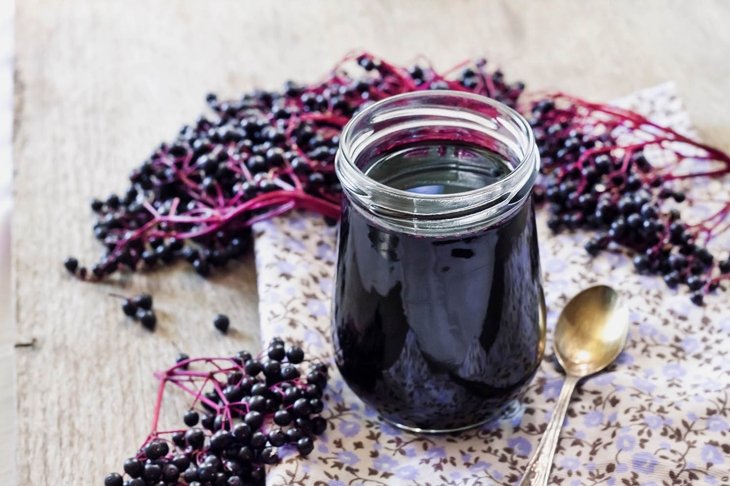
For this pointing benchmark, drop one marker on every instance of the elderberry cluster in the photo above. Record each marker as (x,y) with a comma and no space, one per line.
(196,197)
(620,197)
(236,428)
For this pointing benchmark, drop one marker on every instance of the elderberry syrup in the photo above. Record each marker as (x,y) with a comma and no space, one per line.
(438,313)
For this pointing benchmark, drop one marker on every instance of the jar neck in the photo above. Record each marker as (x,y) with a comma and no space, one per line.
(437,117)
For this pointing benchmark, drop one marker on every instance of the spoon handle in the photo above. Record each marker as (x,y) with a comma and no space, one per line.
(538,469)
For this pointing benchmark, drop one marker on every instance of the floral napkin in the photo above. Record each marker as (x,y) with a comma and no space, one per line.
(659,416)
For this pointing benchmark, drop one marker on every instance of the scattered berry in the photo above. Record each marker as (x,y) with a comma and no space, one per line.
(222,323)
(143,301)
(129,308)
(148,319)
(71,264)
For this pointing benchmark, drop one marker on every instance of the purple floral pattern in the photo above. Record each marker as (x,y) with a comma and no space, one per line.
(660,415)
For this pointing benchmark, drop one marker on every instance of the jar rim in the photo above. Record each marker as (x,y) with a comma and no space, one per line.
(452,107)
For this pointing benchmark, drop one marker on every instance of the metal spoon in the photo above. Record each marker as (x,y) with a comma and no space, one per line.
(590,334)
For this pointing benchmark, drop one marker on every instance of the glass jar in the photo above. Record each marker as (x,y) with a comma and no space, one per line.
(438,313)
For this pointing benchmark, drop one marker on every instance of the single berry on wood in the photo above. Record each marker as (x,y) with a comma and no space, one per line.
(222,323)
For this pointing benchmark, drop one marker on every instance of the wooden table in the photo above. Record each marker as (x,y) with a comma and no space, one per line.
(100,83)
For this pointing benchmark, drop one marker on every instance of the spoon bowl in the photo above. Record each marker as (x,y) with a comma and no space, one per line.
(591,331)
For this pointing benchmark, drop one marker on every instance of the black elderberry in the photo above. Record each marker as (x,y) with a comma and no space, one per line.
(181,461)
(220,422)
(320,368)
(641,262)
(129,308)
(191,475)
(304,424)
(277,437)
(234,377)
(316,405)
(257,403)
(305,446)
(648,211)
(152,472)
(259,389)
(694,282)
(319,425)
(148,319)
(282,417)
(276,353)
(317,378)
(697,268)
(149,258)
(233,466)
(269,455)
(206,473)
(634,220)
(191,418)
(245,454)
(672,279)
(156,449)
(294,434)
(212,460)
(253,367)
(201,267)
(272,404)
(113,201)
(258,440)
(272,368)
(222,323)
(697,298)
(254,418)
(312,391)
(143,301)
(289,372)
(195,438)
(704,256)
(178,438)
(258,474)
(71,264)
(554,224)
(295,354)
(133,467)
(170,473)
(241,431)
(113,479)
(247,383)
(724,266)
(220,440)
(301,407)
(256,163)
(182,357)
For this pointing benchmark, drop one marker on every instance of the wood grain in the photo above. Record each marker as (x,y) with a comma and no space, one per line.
(99,83)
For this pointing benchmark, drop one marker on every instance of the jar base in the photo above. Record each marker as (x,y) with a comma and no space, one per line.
(508,410)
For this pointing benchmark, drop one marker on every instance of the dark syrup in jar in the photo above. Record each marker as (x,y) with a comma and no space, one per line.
(438,333)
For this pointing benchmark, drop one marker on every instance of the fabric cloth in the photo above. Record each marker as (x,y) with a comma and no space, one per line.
(660,415)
